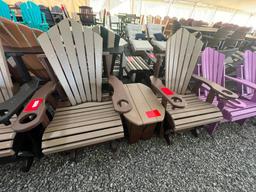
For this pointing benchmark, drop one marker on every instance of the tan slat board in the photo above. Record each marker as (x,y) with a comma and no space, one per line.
(111,39)
(7,136)
(98,50)
(56,39)
(55,63)
(89,119)
(198,123)
(84,113)
(92,109)
(89,46)
(6,153)
(82,57)
(6,84)
(140,105)
(83,123)
(83,143)
(70,48)
(6,144)
(81,137)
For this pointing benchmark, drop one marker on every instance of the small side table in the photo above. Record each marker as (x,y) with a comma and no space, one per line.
(146,114)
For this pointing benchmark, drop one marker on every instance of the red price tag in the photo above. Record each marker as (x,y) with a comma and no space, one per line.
(130,59)
(33,105)
(167,91)
(153,113)
(151,55)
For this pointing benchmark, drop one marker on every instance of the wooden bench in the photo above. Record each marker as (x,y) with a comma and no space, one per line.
(137,68)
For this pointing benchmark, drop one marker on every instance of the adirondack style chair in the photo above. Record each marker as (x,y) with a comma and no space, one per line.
(33,17)
(6,12)
(184,109)
(11,103)
(212,68)
(21,42)
(246,72)
(89,120)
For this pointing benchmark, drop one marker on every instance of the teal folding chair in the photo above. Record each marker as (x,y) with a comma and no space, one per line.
(33,17)
(6,12)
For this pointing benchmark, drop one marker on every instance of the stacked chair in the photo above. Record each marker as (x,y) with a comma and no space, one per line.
(86,16)
(6,12)
(156,36)
(137,39)
(33,16)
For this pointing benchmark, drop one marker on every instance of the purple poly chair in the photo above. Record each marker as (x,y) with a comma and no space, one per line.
(212,68)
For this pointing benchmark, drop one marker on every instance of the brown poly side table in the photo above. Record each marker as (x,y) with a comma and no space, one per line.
(146,113)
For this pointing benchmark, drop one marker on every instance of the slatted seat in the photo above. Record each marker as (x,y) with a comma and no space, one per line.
(136,64)
(82,125)
(6,140)
(186,111)
(197,113)
(212,68)
(75,54)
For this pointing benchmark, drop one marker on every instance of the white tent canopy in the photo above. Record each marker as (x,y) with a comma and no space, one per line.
(241,12)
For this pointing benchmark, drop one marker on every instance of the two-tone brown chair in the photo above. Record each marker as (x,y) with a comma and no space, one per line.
(185,111)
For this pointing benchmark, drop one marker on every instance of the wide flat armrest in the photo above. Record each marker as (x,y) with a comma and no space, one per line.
(120,99)
(175,100)
(35,111)
(15,104)
(218,89)
(242,81)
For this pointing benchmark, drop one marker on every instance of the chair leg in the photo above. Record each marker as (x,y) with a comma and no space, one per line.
(74,156)
(241,122)
(28,164)
(167,135)
(212,128)
(114,146)
(195,132)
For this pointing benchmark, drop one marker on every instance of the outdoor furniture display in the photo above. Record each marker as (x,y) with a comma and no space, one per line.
(185,111)
(136,66)
(33,17)
(89,120)
(157,19)
(218,38)
(137,45)
(87,17)
(6,12)
(212,68)
(236,38)
(154,30)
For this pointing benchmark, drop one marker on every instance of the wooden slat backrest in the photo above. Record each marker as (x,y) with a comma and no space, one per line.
(250,68)
(5,78)
(182,52)
(75,54)
(213,65)
(17,35)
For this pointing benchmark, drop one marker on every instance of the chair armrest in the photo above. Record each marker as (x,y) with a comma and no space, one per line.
(35,111)
(218,89)
(121,102)
(15,103)
(242,81)
(175,100)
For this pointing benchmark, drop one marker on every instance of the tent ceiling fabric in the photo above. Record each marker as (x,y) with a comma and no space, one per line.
(244,5)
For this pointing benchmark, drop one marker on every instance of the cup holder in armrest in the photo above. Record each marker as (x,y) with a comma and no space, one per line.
(227,92)
(3,112)
(122,103)
(28,118)
(178,101)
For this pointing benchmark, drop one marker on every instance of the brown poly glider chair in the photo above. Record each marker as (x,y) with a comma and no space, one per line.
(184,109)
(12,101)
(75,54)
